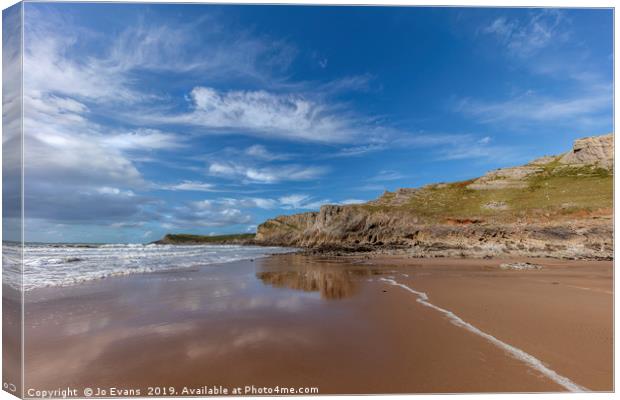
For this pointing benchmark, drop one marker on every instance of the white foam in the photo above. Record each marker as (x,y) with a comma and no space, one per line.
(519,354)
(63,265)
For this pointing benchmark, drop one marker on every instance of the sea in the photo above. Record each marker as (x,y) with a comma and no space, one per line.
(53,264)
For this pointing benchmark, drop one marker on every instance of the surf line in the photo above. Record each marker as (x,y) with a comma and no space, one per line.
(519,354)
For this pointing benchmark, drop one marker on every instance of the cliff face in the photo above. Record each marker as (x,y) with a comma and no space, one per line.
(558,206)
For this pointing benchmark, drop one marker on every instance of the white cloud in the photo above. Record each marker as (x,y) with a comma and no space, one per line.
(206,213)
(56,63)
(115,191)
(302,202)
(11,119)
(203,204)
(501,27)
(265,174)
(360,83)
(107,81)
(66,152)
(252,202)
(50,70)
(294,200)
(260,152)
(360,150)
(63,144)
(191,186)
(132,224)
(290,202)
(289,116)
(352,201)
(143,139)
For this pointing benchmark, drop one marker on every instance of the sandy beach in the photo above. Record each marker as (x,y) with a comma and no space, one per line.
(346,325)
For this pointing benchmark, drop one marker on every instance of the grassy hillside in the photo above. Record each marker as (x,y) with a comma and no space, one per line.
(554,190)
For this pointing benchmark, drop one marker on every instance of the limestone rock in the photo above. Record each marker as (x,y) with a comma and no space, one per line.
(505,178)
(520,266)
(595,150)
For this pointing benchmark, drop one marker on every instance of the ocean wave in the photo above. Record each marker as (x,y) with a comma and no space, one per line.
(46,265)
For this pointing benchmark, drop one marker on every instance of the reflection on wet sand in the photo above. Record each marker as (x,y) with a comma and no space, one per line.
(271,322)
(331,280)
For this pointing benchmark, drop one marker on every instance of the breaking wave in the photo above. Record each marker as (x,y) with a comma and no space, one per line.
(68,264)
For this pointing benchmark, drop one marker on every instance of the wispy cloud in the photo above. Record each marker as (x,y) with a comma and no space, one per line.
(191,186)
(308,202)
(262,153)
(55,62)
(144,139)
(268,114)
(69,89)
(250,174)
(356,151)
(526,37)
(532,107)
(386,175)
(293,110)
(481,149)
(541,44)
(250,202)
(352,201)
(295,201)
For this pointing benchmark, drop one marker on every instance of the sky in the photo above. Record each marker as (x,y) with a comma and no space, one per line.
(140,120)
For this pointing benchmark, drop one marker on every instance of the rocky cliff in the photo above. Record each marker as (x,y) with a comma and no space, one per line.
(555,206)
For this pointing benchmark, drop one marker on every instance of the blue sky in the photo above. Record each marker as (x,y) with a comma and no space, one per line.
(147,119)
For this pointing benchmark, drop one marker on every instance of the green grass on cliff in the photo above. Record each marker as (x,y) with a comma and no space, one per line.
(554,190)
(187,238)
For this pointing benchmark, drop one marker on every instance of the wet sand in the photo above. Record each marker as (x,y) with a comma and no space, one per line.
(340,325)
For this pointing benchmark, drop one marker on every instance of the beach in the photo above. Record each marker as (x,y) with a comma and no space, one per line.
(351,324)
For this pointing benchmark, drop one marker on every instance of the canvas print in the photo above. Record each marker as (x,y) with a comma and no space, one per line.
(229,199)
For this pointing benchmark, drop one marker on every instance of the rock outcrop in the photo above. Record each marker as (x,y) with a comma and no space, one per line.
(595,150)
(556,206)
